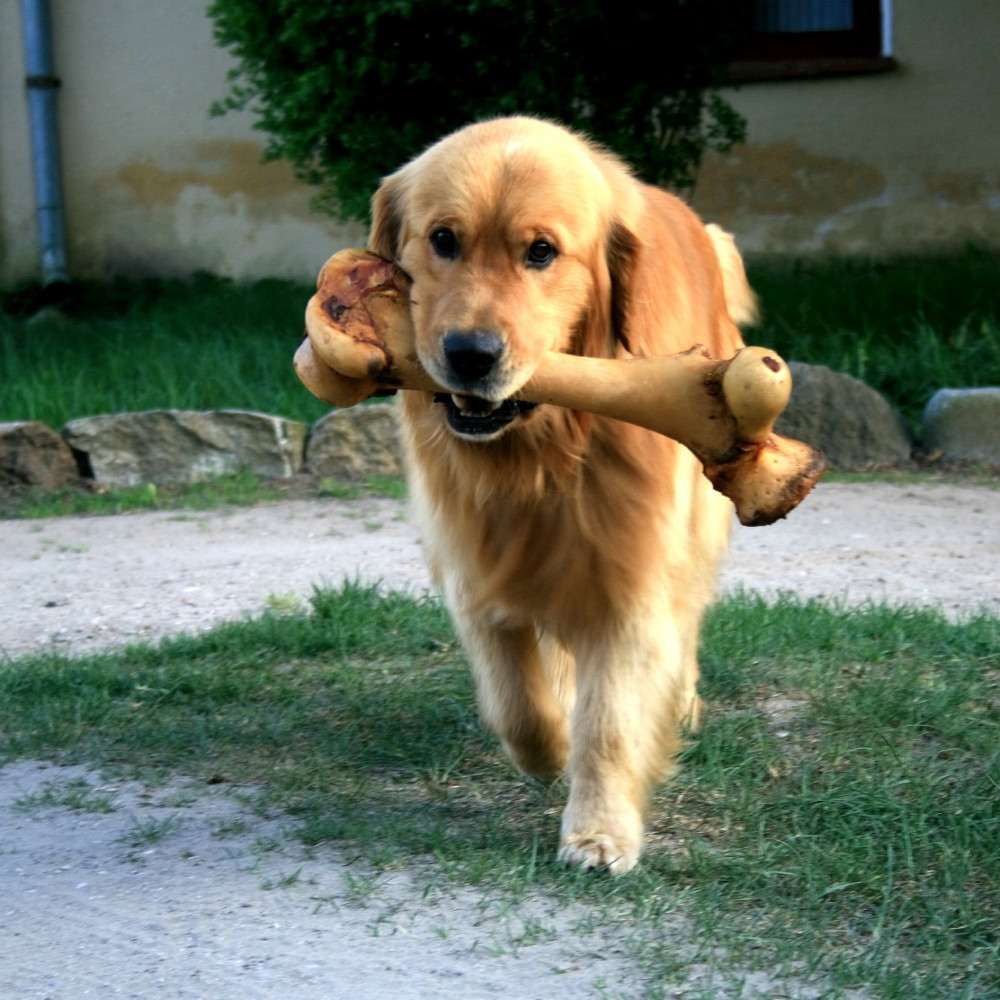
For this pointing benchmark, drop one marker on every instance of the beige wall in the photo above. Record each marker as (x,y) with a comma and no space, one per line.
(152,183)
(892,163)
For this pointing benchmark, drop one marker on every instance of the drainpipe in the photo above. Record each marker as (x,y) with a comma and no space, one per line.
(42,83)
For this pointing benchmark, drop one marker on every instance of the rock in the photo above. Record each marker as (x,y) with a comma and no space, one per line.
(185,446)
(855,426)
(32,454)
(356,443)
(963,425)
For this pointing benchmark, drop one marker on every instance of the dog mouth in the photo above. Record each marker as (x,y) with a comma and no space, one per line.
(476,418)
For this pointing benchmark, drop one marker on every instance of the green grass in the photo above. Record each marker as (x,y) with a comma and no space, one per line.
(74,793)
(838,817)
(241,490)
(906,327)
(202,344)
(245,489)
(147,831)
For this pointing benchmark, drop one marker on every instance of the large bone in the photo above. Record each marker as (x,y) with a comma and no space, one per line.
(360,343)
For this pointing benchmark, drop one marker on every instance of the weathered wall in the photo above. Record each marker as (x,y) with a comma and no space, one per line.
(152,183)
(898,162)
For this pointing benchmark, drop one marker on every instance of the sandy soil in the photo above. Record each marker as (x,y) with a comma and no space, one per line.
(87,583)
(184,892)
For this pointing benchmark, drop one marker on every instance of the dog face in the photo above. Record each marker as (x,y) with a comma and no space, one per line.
(504,229)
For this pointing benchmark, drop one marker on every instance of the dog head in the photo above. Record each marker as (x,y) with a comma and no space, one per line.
(512,233)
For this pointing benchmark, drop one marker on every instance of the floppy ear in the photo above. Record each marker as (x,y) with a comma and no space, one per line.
(622,252)
(387,218)
(602,327)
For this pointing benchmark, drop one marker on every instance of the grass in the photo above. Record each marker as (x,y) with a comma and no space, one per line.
(906,327)
(147,831)
(246,489)
(838,818)
(75,793)
(240,490)
(201,344)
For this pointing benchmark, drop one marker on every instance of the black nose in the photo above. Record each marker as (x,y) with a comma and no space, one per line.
(472,354)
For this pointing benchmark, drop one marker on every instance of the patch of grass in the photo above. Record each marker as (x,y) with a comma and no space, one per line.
(284,603)
(283,881)
(232,828)
(905,327)
(868,811)
(76,793)
(959,473)
(202,344)
(393,487)
(837,819)
(147,831)
(241,490)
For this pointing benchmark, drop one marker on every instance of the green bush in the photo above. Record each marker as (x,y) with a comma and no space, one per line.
(349,91)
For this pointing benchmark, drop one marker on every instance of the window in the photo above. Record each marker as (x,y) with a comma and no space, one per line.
(794,38)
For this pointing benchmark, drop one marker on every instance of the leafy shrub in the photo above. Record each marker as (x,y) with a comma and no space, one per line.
(348,91)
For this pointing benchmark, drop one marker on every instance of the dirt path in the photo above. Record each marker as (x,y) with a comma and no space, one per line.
(86,583)
(220,904)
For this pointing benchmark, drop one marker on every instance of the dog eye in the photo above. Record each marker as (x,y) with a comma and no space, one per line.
(445,243)
(540,254)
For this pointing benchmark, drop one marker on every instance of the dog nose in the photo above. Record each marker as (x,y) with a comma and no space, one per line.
(472,354)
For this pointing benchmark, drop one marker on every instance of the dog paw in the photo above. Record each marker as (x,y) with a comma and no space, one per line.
(591,851)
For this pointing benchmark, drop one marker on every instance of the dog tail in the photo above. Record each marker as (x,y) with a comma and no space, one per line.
(740,299)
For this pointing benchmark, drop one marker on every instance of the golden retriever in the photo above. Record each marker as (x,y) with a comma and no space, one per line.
(576,554)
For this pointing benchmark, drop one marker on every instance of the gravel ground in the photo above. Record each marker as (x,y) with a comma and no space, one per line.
(92,905)
(82,583)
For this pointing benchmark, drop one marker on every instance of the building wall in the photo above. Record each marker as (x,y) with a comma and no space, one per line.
(880,164)
(153,184)
(889,163)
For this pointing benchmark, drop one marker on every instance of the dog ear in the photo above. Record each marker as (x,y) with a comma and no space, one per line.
(622,253)
(603,326)
(387,219)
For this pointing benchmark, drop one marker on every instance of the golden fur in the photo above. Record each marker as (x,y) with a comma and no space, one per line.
(576,554)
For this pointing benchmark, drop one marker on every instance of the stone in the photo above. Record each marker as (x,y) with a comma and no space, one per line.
(356,443)
(855,426)
(963,425)
(32,454)
(185,446)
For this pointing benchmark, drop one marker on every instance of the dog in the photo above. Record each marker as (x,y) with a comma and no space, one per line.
(576,554)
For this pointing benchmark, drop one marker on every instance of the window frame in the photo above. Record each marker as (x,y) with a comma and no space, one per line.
(865,48)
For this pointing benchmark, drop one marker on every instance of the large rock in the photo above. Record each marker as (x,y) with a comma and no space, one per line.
(185,446)
(356,443)
(963,425)
(855,426)
(32,454)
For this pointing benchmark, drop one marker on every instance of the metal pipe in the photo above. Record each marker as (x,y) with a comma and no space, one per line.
(42,83)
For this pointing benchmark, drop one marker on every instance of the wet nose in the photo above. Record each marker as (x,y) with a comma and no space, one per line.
(472,354)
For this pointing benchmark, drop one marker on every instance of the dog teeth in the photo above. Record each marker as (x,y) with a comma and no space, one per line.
(473,406)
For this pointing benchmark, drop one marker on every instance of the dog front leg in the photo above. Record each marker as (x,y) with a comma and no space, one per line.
(630,700)
(517,680)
